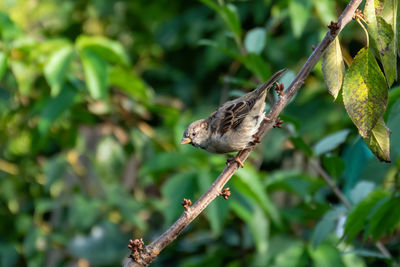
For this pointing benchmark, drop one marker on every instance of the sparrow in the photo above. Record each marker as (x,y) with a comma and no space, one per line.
(233,126)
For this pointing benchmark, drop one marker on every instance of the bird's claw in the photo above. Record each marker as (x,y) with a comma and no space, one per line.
(234,159)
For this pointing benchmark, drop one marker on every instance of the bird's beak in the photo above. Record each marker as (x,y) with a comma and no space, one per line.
(186,140)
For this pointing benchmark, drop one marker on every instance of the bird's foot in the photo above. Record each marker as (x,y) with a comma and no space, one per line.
(278,123)
(235,159)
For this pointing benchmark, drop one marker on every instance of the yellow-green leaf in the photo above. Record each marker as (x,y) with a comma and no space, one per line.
(96,74)
(379,142)
(382,35)
(365,92)
(333,67)
(56,68)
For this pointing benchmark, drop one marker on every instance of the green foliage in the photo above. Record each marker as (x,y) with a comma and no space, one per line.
(94,97)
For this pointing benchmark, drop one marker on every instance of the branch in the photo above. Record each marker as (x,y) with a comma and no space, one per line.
(145,255)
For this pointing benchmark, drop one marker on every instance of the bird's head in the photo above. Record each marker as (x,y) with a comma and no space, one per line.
(196,133)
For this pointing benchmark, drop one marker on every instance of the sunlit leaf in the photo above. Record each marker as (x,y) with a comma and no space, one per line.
(360,191)
(3,64)
(358,215)
(365,92)
(107,49)
(383,36)
(255,40)
(56,68)
(299,11)
(379,141)
(96,74)
(130,83)
(326,255)
(333,67)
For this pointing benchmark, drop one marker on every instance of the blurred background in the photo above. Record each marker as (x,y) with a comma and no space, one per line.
(94,98)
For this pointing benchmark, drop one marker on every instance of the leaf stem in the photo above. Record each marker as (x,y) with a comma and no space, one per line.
(359,19)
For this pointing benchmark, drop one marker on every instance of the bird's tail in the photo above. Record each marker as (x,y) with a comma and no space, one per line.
(268,84)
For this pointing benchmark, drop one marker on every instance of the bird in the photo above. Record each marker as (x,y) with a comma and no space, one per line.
(233,126)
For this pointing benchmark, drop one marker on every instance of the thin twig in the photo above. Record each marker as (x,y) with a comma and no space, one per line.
(328,179)
(150,252)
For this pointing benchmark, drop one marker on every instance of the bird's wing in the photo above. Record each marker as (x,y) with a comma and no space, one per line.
(233,114)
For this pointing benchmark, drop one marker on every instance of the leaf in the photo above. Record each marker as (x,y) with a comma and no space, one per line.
(299,11)
(107,49)
(256,64)
(177,187)
(299,143)
(383,36)
(3,64)
(95,69)
(326,225)
(365,92)
(385,219)
(255,40)
(217,210)
(130,83)
(333,67)
(55,107)
(334,165)
(330,142)
(379,142)
(326,255)
(56,68)
(229,14)
(394,124)
(248,183)
(360,191)
(358,215)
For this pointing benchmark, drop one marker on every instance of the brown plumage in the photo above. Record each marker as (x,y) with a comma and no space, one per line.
(233,125)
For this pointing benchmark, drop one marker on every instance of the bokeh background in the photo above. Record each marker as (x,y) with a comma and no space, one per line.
(95,95)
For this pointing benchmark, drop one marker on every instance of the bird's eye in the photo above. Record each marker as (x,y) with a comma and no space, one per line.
(193,134)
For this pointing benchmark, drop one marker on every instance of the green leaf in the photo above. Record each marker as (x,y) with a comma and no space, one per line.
(326,255)
(365,92)
(131,84)
(229,14)
(360,191)
(358,215)
(383,36)
(248,182)
(333,67)
(326,226)
(334,165)
(177,187)
(299,143)
(107,49)
(3,64)
(385,219)
(55,107)
(56,68)
(256,64)
(255,40)
(394,124)
(217,210)
(331,142)
(299,11)
(96,74)
(379,142)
